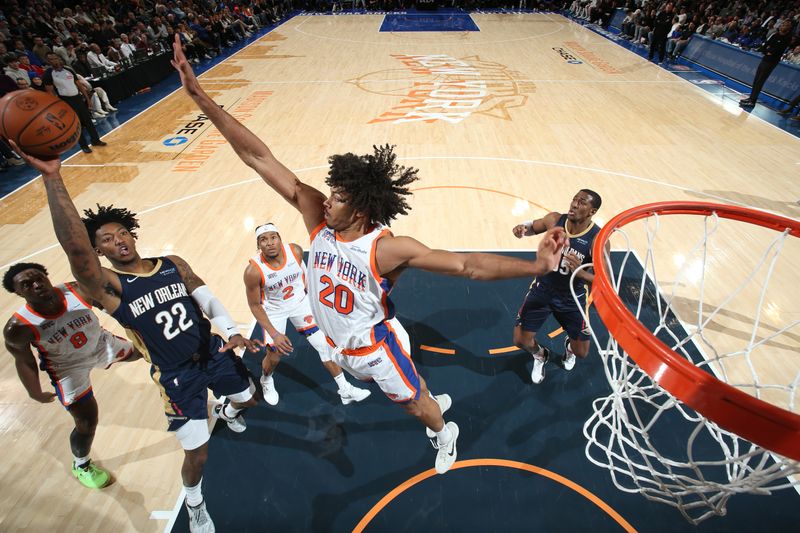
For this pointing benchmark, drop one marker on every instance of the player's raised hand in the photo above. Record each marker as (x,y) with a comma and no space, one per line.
(237,341)
(550,247)
(184,68)
(281,344)
(48,167)
(572,261)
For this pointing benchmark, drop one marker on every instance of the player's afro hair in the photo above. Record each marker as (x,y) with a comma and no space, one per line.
(8,277)
(374,183)
(107,214)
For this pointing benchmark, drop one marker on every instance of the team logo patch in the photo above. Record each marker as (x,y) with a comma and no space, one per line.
(309,319)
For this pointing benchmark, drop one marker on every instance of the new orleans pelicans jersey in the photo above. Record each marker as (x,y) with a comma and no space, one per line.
(348,297)
(161,318)
(65,340)
(283,287)
(579,244)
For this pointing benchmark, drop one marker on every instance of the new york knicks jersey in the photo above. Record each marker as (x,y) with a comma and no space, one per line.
(348,297)
(282,287)
(63,340)
(579,244)
(161,318)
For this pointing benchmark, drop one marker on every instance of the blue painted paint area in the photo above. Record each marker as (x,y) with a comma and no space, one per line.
(428,21)
(311,464)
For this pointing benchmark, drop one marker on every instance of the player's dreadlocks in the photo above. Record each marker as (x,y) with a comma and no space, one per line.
(375,184)
(106,214)
(8,277)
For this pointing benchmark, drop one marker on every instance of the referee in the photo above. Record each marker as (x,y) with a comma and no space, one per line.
(62,81)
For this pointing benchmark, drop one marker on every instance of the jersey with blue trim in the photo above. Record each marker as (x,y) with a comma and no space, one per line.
(349,299)
(579,244)
(161,318)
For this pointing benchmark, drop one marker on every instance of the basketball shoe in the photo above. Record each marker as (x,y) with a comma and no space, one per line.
(236,424)
(91,475)
(268,388)
(352,394)
(199,519)
(447,453)
(568,359)
(444,402)
(537,373)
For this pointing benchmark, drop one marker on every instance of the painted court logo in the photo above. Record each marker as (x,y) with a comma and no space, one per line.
(568,57)
(448,89)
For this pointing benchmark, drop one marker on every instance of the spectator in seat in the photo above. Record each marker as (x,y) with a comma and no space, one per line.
(98,60)
(32,70)
(13,69)
(40,49)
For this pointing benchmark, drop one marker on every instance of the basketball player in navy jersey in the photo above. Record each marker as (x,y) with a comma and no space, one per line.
(59,322)
(355,261)
(160,301)
(550,293)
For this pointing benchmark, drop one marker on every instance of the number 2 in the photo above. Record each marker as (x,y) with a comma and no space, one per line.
(288,292)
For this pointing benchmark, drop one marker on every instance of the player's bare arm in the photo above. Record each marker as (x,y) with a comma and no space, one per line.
(535,227)
(396,253)
(18,338)
(252,284)
(101,284)
(251,149)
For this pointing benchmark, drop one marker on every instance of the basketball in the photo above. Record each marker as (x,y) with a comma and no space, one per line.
(40,123)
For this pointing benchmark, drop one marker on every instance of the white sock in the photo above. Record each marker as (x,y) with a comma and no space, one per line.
(80,461)
(539,353)
(230,411)
(444,436)
(194,495)
(341,382)
(266,377)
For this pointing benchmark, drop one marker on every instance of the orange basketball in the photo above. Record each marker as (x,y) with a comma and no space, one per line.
(40,123)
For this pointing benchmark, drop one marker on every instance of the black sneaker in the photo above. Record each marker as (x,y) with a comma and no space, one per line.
(99,143)
(86,149)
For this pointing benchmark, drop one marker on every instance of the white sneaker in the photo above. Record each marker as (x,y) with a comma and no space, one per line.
(111,109)
(447,453)
(444,401)
(537,373)
(568,360)
(353,394)
(237,424)
(268,388)
(199,519)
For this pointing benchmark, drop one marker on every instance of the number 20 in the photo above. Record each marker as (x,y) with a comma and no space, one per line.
(342,300)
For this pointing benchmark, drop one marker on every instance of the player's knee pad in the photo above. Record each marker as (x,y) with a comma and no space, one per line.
(193,434)
(317,340)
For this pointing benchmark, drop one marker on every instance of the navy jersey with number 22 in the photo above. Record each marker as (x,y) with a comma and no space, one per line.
(163,320)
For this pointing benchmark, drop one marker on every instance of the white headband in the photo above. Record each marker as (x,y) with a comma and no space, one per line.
(266,228)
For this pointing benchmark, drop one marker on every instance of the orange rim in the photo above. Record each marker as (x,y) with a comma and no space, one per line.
(767,425)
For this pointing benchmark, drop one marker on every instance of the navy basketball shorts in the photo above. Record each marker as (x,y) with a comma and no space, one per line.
(184,390)
(542,301)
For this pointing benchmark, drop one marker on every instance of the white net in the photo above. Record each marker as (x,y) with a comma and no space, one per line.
(712,291)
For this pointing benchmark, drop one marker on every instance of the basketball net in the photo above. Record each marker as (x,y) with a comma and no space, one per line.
(645,432)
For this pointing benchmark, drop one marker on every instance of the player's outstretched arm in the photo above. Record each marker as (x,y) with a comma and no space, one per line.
(212,307)
(18,338)
(400,252)
(252,284)
(535,227)
(102,285)
(251,149)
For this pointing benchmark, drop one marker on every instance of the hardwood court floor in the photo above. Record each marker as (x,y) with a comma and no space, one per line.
(504,124)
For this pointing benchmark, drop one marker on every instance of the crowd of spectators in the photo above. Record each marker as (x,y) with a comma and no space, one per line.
(96,38)
(744,24)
